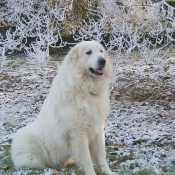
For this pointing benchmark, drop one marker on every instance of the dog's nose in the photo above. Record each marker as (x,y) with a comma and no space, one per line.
(101,61)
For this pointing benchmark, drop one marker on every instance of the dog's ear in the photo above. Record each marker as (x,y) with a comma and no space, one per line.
(73,54)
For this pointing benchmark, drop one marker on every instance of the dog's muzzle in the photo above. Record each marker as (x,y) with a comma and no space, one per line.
(101,65)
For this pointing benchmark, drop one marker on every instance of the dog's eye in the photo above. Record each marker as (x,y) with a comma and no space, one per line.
(101,51)
(89,52)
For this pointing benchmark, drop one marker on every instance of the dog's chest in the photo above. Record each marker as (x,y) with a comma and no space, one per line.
(93,127)
(94,113)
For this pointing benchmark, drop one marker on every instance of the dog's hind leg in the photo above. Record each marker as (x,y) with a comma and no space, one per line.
(27,150)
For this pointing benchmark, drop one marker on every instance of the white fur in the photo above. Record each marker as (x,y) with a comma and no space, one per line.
(71,121)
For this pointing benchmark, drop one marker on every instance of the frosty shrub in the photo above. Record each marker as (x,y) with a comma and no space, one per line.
(123,26)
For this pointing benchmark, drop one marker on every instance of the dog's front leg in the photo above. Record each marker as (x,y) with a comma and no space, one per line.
(98,153)
(81,153)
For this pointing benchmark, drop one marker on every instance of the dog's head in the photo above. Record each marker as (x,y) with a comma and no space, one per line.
(91,58)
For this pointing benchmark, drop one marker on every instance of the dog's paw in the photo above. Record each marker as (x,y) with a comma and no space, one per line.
(53,172)
(113,173)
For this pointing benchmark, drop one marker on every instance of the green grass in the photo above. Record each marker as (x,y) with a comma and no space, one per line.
(52,63)
(143,172)
(16,63)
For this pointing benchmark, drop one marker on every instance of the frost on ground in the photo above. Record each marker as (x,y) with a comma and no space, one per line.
(140,128)
(142,118)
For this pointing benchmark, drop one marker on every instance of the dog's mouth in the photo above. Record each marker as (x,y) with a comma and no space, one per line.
(97,71)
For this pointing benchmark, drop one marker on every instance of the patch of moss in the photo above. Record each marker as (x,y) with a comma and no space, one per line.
(16,63)
(52,63)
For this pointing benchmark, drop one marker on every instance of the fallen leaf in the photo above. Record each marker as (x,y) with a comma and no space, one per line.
(6,168)
(124,158)
(139,141)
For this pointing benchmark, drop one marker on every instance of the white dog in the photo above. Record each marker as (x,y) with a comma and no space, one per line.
(70,124)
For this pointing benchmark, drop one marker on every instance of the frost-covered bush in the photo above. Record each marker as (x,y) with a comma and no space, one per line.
(123,26)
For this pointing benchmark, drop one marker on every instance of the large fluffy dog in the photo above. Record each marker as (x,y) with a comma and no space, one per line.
(71,122)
